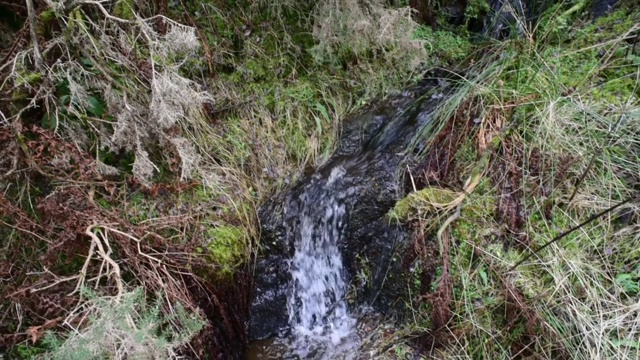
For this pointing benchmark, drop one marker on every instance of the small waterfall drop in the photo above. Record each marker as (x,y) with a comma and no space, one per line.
(317,307)
(318,231)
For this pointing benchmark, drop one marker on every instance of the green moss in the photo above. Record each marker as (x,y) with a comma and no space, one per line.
(427,199)
(605,28)
(476,9)
(476,215)
(124,9)
(446,46)
(226,247)
(47,15)
(28,78)
(19,95)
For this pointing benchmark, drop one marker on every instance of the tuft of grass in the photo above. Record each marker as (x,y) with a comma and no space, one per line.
(422,202)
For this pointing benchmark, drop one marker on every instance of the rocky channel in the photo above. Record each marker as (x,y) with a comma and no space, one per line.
(328,248)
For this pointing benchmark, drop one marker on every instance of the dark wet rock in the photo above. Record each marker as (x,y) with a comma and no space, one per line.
(269,315)
(379,248)
(371,157)
(502,20)
(271,279)
(601,8)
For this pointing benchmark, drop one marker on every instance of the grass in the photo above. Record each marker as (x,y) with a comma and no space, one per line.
(564,109)
(157,136)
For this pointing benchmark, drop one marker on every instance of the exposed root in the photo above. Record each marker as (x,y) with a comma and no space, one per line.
(96,243)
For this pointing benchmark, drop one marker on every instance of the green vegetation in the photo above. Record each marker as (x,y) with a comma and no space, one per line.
(445,47)
(563,105)
(227,243)
(135,152)
(422,202)
(126,328)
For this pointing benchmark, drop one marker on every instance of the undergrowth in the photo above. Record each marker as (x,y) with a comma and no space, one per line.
(556,112)
(122,330)
(138,138)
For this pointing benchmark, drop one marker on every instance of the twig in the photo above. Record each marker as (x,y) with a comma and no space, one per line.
(584,174)
(25,230)
(564,234)
(105,12)
(85,266)
(116,268)
(136,240)
(34,35)
(58,281)
(97,243)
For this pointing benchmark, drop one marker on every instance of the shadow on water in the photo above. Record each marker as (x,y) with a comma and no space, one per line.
(266,350)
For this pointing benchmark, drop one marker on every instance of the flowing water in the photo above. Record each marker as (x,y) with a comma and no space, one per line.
(345,194)
(317,306)
(321,326)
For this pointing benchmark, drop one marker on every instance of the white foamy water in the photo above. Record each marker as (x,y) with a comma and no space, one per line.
(317,308)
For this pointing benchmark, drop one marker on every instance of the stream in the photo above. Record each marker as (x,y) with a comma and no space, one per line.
(321,325)
(323,230)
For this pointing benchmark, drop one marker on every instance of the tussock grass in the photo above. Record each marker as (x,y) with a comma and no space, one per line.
(300,69)
(562,115)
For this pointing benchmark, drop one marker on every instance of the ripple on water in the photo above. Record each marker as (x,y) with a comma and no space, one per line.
(303,348)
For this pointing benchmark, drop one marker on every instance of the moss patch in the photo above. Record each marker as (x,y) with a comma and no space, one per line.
(226,247)
(423,201)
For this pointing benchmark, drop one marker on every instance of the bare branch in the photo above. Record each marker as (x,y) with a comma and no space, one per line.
(37,56)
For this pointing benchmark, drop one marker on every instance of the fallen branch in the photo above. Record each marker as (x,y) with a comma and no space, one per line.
(97,243)
(137,242)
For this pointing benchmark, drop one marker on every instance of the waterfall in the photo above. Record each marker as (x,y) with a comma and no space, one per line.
(317,308)
(322,232)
